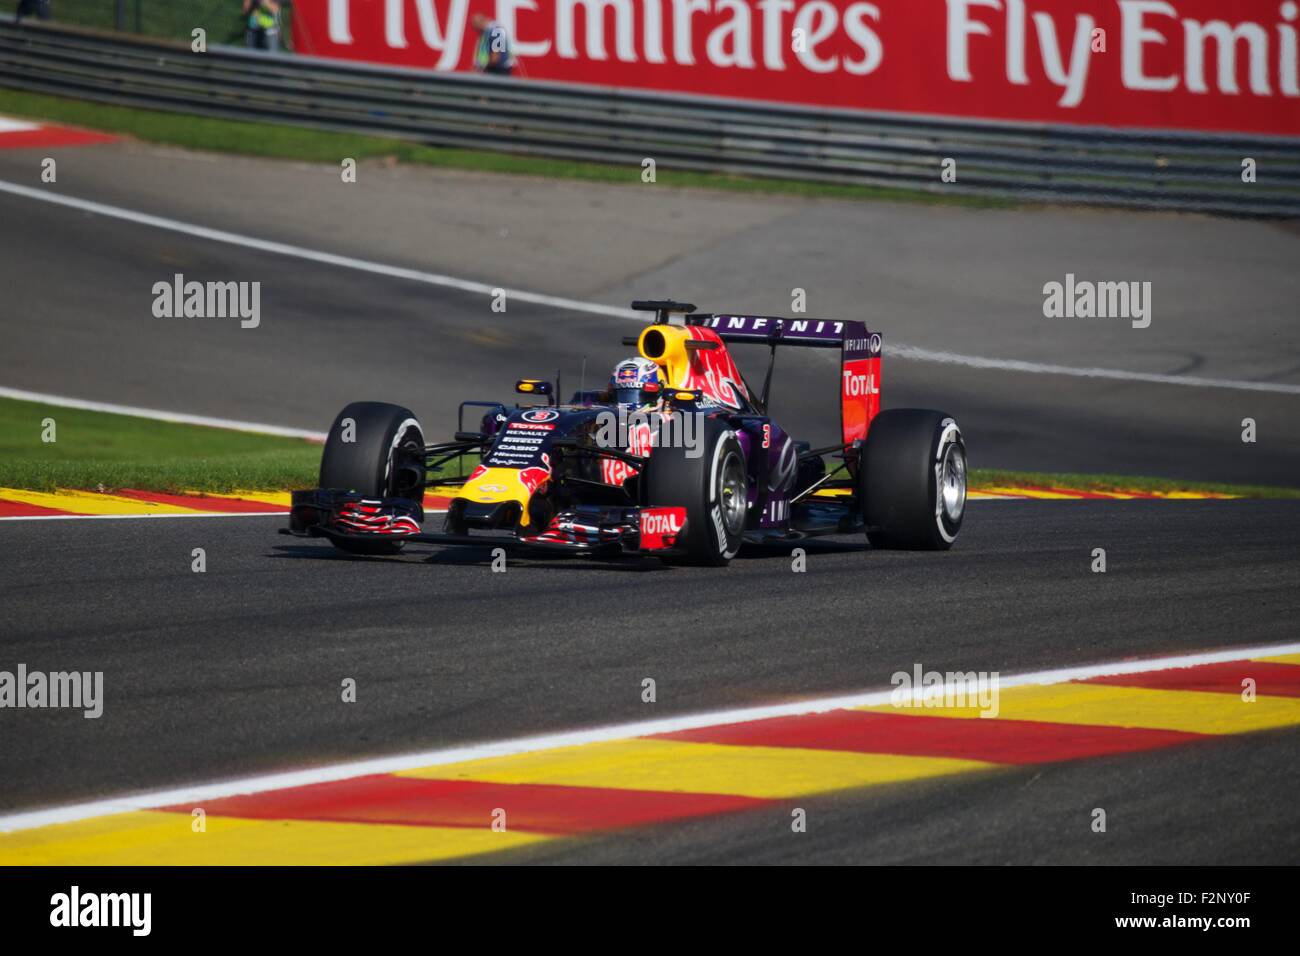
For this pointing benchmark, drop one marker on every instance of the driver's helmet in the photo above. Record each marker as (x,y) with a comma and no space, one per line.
(628,383)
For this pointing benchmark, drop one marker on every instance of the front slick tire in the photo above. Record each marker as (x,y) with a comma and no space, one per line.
(385,459)
(912,480)
(711,486)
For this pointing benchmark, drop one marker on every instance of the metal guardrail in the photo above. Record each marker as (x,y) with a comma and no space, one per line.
(1165,170)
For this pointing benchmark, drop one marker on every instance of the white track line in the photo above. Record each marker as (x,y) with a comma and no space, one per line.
(899,350)
(155,414)
(8,125)
(196,795)
(313,255)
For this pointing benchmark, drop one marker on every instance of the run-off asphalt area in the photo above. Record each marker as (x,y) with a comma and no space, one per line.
(238,670)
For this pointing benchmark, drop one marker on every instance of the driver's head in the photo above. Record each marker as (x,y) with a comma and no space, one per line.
(629,381)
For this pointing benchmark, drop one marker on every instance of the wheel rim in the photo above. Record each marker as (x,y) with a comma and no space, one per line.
(952,483)
(732,498)
(406,466)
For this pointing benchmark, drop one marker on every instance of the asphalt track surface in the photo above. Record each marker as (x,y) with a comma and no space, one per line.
(236,671)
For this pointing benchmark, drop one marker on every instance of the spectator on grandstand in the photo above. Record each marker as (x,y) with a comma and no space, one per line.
(26,8)
(262,30)
(493,54)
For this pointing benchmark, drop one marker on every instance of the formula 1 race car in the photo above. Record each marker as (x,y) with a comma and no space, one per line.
(690,474)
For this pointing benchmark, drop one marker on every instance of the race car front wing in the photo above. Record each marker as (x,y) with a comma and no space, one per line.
(329,513)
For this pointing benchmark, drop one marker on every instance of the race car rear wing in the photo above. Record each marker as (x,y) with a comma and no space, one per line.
(859,357)
(771,330)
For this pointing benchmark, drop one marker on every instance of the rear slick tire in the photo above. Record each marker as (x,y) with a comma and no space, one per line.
(912,480)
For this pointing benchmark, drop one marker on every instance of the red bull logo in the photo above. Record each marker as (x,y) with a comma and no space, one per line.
(490,484)
(534,477)
(714,372)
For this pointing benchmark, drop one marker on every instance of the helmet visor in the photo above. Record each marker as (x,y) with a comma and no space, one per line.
(631,394)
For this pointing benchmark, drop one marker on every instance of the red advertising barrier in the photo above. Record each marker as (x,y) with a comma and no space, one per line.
(1210,65)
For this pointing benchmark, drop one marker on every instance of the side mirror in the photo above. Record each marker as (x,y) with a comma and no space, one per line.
(533,386)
